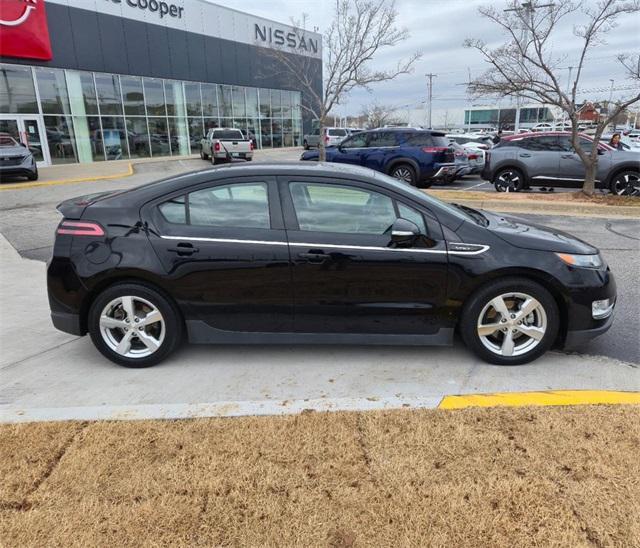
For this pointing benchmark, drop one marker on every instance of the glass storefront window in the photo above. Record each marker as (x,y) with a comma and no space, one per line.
(287,133)
(61,139)
(196,132)
(211,123)
(265,133)
(192,97)
(82,93)
(209,100)
(265,103)
(297,133)
(276,130)
(17,93)
(179,138)
(296,109)
(95,143)
(239,107)
(224,102)
(154,95)
(252,102)
(114,138)
(226,122)
(133,95)
(109,98)
(138,137)
(159,137)
(276,104)
(52,88)
(285,97)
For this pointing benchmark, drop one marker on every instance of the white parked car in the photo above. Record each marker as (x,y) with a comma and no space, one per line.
(332,136)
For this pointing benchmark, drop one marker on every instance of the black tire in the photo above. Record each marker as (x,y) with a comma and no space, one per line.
(203,154)
(475,305)
(305,145)
(508,178)
(173,326)
(214,161)
(33,176)
(405,173)
(249,159)
(626,183)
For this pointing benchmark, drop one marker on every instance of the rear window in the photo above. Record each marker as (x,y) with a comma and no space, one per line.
(427,140)
(228,134)
(337,132)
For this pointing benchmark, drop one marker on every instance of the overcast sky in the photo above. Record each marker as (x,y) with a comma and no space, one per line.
(438,28)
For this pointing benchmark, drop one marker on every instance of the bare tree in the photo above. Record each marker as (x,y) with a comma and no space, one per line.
(377,115)
(360,28)
(526,65)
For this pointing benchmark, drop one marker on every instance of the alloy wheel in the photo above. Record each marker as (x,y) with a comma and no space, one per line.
(512,324)
(404,174)
(627,184)
(132,327)
(508,181)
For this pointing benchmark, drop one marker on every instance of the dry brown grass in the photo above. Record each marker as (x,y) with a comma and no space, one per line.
(477,477)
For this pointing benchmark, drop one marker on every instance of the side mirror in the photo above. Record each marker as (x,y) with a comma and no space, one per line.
(340,147)
(600,152)
(404,232)
(23,145)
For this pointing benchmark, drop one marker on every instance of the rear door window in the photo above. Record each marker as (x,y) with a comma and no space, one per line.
(228,134)
(337,132)
(241,205)
(382,139)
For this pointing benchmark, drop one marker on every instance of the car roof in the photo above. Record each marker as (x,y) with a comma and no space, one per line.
(541,134)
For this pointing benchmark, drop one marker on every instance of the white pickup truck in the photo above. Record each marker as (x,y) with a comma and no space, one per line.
(225,145)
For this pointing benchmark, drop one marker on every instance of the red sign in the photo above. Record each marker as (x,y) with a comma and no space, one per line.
(23,29)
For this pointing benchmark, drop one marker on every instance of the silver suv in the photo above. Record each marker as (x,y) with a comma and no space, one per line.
(332,136)
(548,159)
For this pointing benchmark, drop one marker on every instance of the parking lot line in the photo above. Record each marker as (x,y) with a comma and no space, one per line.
(476,186)
(552,397)
(22,186)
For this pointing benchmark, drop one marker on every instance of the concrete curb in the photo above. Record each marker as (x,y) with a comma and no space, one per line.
(9,414)
(22,186)
(563,208)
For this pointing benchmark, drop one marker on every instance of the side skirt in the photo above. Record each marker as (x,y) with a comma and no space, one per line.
(200,332)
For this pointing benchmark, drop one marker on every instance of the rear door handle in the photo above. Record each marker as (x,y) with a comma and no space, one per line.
(184,249)
(525,155)
(567,156)
(314,257)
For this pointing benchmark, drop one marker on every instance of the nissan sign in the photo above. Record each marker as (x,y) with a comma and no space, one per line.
(24,29)
(289,39)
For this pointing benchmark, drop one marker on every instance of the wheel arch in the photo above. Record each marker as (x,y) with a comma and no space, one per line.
(551,284)
(403,160)
(630,166)
(122,279)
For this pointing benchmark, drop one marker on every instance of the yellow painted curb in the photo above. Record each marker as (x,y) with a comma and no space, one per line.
(19,186)
(556,397)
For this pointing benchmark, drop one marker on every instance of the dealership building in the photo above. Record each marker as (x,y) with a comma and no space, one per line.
(97,80)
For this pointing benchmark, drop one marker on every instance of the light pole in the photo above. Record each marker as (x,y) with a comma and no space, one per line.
(431,77)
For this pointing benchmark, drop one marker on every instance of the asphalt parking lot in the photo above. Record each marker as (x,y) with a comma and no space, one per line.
(48,374)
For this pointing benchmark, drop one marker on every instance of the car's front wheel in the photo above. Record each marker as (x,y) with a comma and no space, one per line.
(626,183)
(508,180)
(203,154)
(134,325)
(305,145)
(510,322)
(33,176)
(405,173)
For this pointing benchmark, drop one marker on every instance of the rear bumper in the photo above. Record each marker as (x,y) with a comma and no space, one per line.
(67,322)
(241,155)
(444,171)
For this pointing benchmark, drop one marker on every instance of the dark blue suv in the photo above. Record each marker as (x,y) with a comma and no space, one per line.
(416,156)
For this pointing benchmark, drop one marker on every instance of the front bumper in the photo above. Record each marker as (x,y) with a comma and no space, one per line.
(25,168)
(576,339)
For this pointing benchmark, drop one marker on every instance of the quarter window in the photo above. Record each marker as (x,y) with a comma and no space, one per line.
(382,139)
(341,209)
(242,205)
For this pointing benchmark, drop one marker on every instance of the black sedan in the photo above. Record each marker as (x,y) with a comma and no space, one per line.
(316,253)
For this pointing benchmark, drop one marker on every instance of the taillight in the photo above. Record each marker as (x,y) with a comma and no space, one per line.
(326,139)
(216,146)
(434,149)
(473,156)
(77,228)
(250,145)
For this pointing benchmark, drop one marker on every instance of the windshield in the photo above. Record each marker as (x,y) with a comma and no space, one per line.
(8,141)
(228,134)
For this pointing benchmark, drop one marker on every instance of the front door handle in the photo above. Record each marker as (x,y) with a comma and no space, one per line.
(525,155)
(314,257)
(184,249)
(567,156)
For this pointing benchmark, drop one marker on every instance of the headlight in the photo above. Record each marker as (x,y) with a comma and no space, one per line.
(583,261)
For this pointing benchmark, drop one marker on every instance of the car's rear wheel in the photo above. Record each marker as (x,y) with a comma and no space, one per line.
(405,173)
(134,325)
(305,145)
(510,322)
(508,180)
(626,183)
